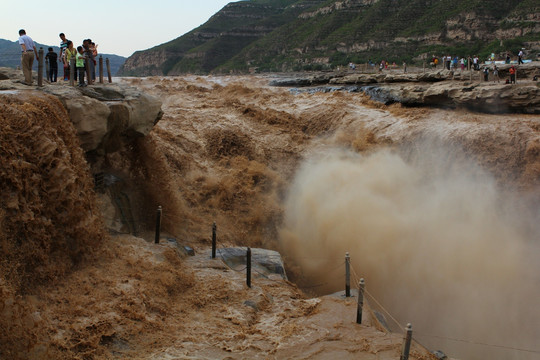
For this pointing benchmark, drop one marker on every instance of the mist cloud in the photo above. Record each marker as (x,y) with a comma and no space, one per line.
(438,242)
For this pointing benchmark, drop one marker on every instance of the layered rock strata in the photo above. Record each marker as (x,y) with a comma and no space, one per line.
(436,88)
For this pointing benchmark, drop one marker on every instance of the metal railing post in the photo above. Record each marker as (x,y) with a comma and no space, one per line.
(158,225)
(406,343)
(347,275)
(40,67)
(248,267)
(361,289)
(214,241)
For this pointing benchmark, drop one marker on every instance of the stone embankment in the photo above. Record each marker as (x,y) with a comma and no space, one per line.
(442,88)
(106,116)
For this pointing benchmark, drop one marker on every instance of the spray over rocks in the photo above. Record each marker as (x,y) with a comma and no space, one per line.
(436,207)
(438,241)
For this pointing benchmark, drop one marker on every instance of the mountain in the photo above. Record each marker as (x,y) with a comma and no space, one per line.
(223,36)
(10,56)
(292,35)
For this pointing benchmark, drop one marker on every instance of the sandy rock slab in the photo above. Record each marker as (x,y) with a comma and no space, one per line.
(483,97)
(106,116)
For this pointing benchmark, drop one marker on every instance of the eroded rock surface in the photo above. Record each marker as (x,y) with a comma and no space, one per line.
(489,98)
(106,116)
(438,88)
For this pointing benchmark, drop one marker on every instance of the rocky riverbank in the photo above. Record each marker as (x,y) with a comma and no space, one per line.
(435,88)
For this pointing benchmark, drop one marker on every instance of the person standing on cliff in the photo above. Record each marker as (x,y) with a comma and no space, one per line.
(90,56)
(496,73)
(28,52)
(70,52)
(486,74)
(53,64)
(61,54)
(512,74)
(80,60)
(92,47)
(520,57)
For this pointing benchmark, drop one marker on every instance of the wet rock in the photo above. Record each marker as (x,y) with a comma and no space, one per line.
(188,250)
(358,79)
(291,82)
(304,80)
(439,87)
(259,301)
(380,94)
(489,98)
(264,262)
(251,304)
(440,355)
(325,89)
(108,116)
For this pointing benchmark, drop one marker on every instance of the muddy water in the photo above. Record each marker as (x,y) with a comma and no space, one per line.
(439,209)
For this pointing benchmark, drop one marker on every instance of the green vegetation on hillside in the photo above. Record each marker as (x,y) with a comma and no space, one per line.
(284,35)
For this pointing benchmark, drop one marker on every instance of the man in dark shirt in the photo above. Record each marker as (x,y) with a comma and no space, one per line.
(52,58)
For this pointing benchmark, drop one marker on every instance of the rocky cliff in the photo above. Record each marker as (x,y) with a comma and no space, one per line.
(106,117)
(442,88)
(53,140)
(276,35)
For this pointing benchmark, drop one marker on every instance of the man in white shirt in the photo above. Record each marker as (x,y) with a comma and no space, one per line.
(28,52)
(520,57)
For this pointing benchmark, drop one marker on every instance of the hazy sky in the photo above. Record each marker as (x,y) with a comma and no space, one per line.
(117,26)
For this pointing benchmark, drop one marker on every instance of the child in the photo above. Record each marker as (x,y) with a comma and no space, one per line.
(52,58)
(80,65)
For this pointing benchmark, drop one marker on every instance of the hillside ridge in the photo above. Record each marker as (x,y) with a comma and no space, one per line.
(296,35)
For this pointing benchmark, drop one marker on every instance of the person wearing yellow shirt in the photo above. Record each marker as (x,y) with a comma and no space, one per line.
(69,53)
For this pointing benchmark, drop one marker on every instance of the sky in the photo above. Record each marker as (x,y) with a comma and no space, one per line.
(119,27)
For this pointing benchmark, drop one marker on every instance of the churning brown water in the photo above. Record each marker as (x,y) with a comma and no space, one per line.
(438,209)
(438,242)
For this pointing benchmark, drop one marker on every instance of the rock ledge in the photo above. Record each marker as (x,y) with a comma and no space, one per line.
(106,116)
